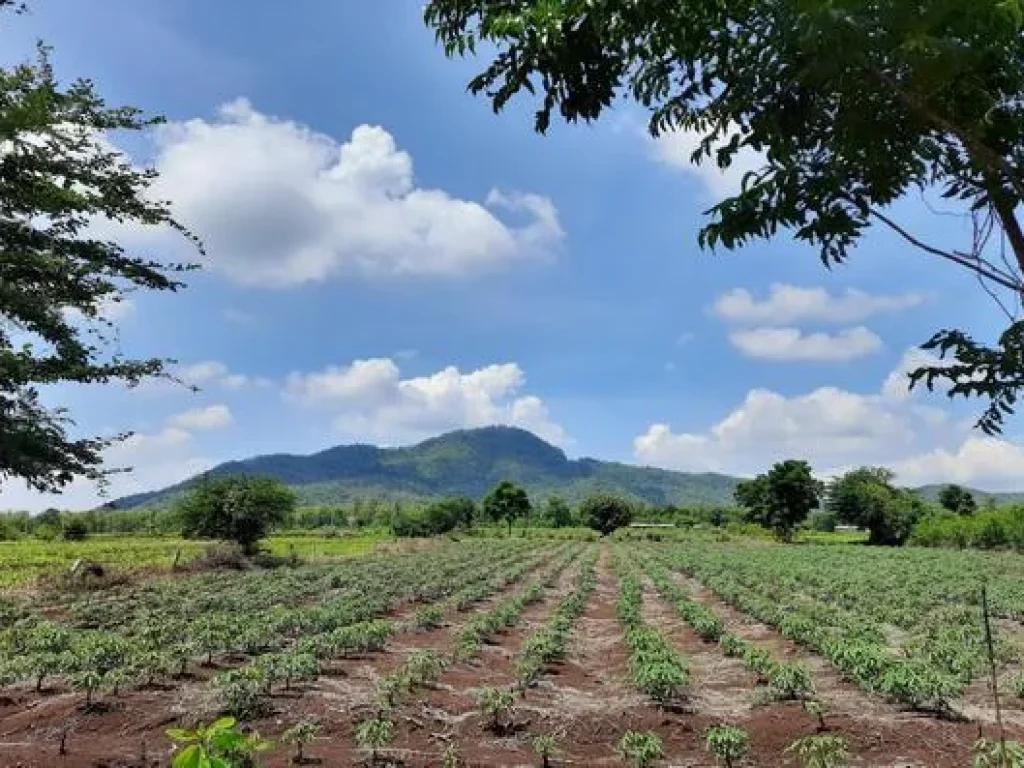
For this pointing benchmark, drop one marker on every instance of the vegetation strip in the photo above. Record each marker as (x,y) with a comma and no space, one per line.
(655,666)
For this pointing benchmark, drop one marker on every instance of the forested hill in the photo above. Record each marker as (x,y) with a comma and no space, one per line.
(466,462)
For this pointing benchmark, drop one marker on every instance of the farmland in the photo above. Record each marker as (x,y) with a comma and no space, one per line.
(491,650)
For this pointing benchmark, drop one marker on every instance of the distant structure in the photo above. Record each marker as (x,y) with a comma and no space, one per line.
(652,525)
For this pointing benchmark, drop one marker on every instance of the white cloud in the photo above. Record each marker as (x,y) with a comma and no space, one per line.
(987,462)
(836,429)
(790,344)
(897,383)
(675,149)
(209,417)
(278,204)
(372,401)
(156,459)
(214,373)
(791,304)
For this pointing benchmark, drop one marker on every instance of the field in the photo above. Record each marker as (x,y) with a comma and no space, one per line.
(23,561)
(575,640)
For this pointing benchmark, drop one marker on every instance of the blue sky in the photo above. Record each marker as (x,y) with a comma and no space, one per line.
(389,260)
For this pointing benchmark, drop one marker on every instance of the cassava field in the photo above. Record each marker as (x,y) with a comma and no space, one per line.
(471,652)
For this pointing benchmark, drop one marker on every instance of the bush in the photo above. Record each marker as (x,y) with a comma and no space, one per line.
(606,513)
(74,530)
(237,508)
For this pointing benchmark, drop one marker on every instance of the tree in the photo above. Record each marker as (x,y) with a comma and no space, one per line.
(238,508)
(58,276)
(447,514)
(958,499)
(752,496)
(865,497)
(507,501)
(605,512)
(557,512)
(780,499)
(849,106)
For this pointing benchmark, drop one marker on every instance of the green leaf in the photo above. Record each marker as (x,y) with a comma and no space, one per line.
(180,734)
(191,756)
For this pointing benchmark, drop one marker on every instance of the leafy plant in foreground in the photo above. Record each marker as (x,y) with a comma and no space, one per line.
(497,704)
(640,748)
(299,735)
(373,735)
(821,751)
(219,745)
(727,743)
(545,747)
(993,754)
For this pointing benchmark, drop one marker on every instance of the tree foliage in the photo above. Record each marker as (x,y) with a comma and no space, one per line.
(606,512)
(508,502)
(958,499)
(58,276)
(557,512)
(849,105)
(238,508)
(782,498)
(866,497)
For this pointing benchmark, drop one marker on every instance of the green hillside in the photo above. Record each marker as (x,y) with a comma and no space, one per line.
(466,462)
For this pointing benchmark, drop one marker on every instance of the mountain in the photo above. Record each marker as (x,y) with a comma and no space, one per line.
(468,462)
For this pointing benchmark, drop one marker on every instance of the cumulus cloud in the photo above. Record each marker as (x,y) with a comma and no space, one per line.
(790,344)
(791,304)
(991,463)
(837,429)
(829,425)
(675,149)
(371,400)
(156,459)
(209,417)
(278,204)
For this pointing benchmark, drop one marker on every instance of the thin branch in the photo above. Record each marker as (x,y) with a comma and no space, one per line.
(977,265)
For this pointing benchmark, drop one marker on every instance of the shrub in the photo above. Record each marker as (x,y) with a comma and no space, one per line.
(641,748)
(727,743)
(374,735)
(221,744)
(545,747)
(241,692)
(606,513)
(236,508)
(993,754)
(74,530)
(788,682)
(820,751)
(497,704)
(299,735)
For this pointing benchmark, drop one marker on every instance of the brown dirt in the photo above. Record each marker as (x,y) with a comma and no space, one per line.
(586,701)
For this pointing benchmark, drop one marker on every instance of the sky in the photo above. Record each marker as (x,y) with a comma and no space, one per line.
(388,260)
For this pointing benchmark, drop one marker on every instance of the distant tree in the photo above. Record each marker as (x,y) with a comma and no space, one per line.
(49,517)
(752,496)
(447,514)
(866,497)
(606,512)
(557,512)
(238,508)
(74,529)
(507,501)
(782,498)
(58,278)
(958,499)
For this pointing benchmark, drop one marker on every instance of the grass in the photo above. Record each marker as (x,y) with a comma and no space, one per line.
(24,560)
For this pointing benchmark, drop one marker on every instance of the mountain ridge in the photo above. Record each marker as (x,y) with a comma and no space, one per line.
(470,462)
(463,462)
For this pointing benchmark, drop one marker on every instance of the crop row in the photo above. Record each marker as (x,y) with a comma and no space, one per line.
(784,681)
(655,667)
(286,638)
(546,645)
(856,646)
